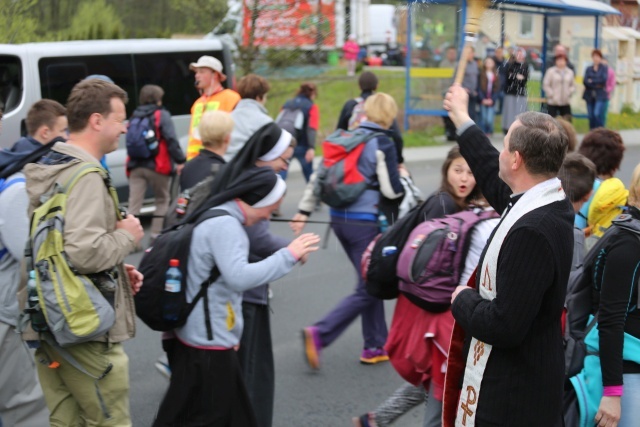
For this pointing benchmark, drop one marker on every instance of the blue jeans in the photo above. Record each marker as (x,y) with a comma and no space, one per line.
(487,114)
(499,103)
(473,106)
(307,167)
(629,403)
(594,111)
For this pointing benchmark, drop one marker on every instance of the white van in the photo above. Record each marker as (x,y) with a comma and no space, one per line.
(32,71)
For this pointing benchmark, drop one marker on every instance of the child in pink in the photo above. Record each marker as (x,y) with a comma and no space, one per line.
(351,50)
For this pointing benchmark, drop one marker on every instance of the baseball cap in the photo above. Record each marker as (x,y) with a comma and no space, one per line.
(209,62)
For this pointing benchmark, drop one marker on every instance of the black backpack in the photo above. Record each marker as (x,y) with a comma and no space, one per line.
(192,198)
(582,296)
(14,161)
(380,275)
(173,243)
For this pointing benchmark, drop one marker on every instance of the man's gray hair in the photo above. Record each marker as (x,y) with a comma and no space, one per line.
(541,142)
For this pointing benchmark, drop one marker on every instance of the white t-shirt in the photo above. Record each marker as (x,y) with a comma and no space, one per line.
(479,237)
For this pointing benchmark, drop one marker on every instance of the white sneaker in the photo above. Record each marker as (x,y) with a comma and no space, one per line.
(162,364)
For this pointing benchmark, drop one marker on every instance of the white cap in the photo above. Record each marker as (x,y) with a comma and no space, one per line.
(209,62)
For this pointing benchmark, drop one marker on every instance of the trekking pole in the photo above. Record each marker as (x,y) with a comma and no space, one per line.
(373,224)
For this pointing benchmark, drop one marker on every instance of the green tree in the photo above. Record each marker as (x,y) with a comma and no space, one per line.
(17,21)
(94,19)
(200,15)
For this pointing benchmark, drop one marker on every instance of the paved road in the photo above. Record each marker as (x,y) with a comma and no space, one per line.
(343,388)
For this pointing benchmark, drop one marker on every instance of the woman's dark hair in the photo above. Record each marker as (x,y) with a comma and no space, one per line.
(596,52)
(446,187)
(484,81)
(307,89)
(151,94)
(605,148)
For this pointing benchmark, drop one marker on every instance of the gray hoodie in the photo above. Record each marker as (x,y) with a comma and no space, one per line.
(248,116)
(14,232)
(222,241)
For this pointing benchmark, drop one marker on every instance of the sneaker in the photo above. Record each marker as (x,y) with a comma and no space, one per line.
(371,356)
(162,365)
(312,346)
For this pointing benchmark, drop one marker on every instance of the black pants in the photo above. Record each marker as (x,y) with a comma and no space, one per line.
(206,389)
(563,111)
(256,361)
(449,129)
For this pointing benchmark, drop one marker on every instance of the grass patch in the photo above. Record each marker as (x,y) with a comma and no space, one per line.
(424,138)
(335,88)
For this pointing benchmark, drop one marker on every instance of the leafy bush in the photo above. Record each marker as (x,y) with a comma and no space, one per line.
(281,58)
(627,109)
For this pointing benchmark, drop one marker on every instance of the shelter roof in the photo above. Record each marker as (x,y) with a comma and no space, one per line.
(551,7)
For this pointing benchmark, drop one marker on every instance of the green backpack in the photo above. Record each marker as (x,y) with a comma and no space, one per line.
(77,307)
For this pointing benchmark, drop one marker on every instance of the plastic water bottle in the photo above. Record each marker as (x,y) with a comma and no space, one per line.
(383,223)
(151,140)
(182,203)
(38,321)
(171,298)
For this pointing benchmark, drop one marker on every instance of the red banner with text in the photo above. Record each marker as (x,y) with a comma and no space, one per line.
(290,23)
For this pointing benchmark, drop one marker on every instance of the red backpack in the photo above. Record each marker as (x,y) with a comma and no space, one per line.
(339,183)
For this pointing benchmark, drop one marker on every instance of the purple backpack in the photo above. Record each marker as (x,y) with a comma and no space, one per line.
(433,258)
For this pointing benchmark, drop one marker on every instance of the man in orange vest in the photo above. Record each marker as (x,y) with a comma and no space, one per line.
(209,78)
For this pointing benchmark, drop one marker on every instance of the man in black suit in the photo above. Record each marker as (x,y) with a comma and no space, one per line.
(513,342)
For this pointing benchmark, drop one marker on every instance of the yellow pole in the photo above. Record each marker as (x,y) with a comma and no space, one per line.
(475,9)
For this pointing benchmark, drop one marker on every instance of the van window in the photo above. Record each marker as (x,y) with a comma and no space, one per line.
(59,75)
(10,82)
(171,72)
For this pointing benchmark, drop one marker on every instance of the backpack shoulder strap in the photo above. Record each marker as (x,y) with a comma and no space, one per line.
(204,286)
(156,120)
(8,183)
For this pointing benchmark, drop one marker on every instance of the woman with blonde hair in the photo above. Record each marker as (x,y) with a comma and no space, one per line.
(355,227)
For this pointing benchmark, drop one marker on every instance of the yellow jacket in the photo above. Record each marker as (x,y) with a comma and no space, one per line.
(224,100)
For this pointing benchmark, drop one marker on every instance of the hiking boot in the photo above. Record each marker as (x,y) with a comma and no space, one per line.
(312,346)
(371,356)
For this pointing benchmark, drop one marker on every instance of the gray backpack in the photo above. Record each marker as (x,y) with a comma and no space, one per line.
(291,120)
(339,183)
(190,199)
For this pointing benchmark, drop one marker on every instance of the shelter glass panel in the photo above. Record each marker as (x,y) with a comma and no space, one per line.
(434,30)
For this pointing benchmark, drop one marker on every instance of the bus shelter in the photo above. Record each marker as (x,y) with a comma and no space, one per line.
(432,26)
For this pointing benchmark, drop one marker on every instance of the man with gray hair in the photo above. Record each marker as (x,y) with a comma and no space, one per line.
(512,370)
